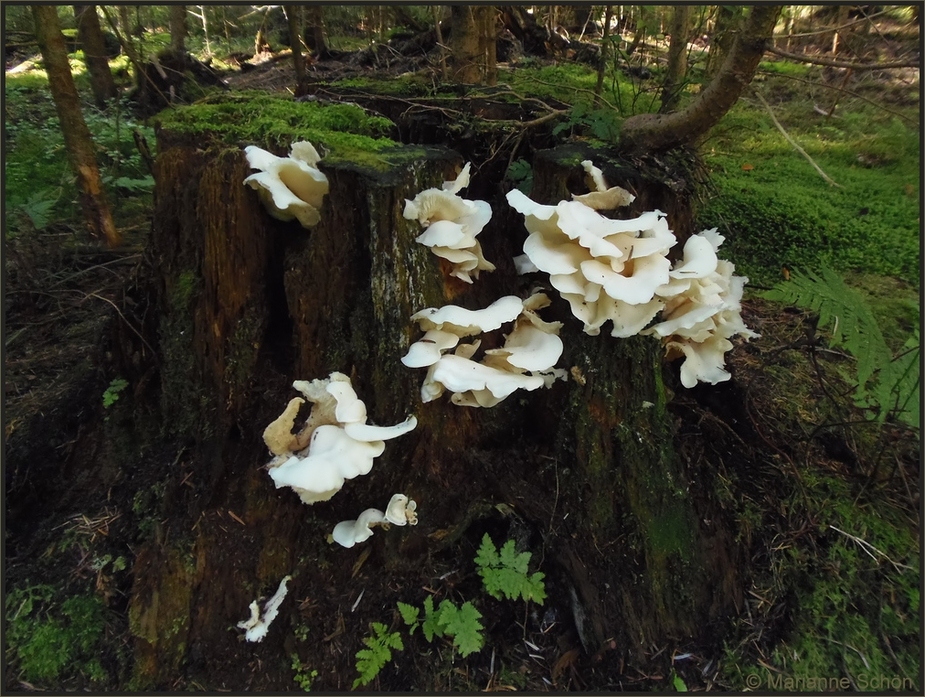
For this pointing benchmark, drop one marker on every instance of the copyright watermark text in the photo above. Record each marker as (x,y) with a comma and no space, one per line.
(862,681)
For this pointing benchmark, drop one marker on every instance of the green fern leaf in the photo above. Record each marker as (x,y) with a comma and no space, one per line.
(463,625)
(371,660)
(410,615)
(431,625)
(843,312)
(897,389)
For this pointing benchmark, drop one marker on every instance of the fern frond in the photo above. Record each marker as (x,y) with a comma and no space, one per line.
(842,311)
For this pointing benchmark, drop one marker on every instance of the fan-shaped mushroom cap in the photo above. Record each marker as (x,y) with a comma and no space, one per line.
(290,187)
(427,350)
(530,348)
(348,532)
(401,511)
(463,322)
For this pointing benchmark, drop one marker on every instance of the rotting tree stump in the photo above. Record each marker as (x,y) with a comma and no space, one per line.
(584,475)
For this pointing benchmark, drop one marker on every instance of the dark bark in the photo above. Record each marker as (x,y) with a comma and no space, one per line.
(523,26)
(178,28)
(660,132)
(90,35)
(315,31)
(677,58)
(78,142)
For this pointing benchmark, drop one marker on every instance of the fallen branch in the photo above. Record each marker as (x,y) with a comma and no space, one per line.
(831,63)
(796,145)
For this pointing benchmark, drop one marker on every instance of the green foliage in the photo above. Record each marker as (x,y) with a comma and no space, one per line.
(846,314)
(371,660)
(50,642)
(602,124)
(461,623)
(520,174)
(111,395)
(678,683)
(303,677)
(38,207)
(505,573)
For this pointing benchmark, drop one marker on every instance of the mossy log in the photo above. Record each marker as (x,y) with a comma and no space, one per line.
(584,474)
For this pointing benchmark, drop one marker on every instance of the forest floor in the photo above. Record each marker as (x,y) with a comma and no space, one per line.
(826,502)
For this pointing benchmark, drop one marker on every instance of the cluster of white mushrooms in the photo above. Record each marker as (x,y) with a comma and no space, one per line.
(618,271)
(525,361)
(607,270)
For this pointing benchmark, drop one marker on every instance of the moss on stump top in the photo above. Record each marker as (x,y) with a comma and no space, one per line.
(344,131)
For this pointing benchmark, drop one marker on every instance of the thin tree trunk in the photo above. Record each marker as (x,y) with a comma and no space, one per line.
(677,57)
(659,132)
(178,29)
(472,59)
(315,39)
(727,20)
(444,72)
(294,20)
(90,36)
(77,139)
(605,36)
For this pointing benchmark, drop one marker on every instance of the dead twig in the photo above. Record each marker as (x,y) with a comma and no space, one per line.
(795,145)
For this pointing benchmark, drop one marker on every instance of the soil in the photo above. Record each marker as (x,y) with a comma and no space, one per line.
(79,475)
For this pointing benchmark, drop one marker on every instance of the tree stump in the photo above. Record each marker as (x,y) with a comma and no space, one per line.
(584,474)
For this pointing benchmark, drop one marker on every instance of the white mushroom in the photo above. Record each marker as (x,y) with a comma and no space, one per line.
(452,223)
(348,532)
(401,510)
(334,445)
(289,187)
(259,622)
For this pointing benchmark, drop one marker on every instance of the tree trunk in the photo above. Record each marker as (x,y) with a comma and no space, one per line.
(294,20)
(631,542)
(314,30)
(677,58)
(466,45)
(178,28)
(78,142)
(728,19)
(90,35)
(605,45)
(653,133)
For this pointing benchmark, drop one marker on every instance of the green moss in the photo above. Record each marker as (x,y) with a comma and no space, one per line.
(52,642)
(274,123)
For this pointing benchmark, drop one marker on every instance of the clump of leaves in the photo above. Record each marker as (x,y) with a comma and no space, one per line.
(303,677)
(371,660)
(601,124)
(505,574)
(111,395)
(461,623)
(520,173)
(884,383)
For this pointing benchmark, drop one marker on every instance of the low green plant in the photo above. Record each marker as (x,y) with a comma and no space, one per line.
(371,660)
(303,677)
(504,573)
(520,174)
(601,124)
(111,395)
(885,383)
(461,623)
